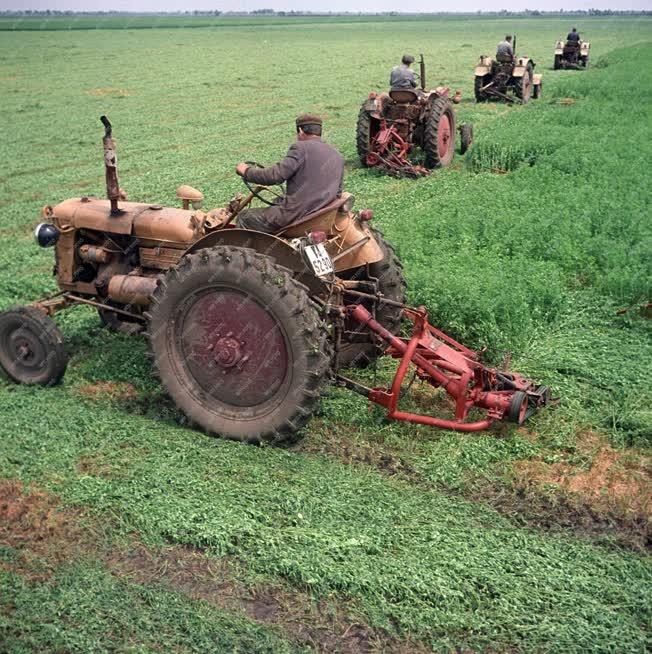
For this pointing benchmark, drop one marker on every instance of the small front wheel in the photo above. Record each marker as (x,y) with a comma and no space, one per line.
(31,347)
(538,89)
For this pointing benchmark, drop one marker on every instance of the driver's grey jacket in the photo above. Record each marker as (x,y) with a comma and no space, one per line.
(402,77)
(504,49)
(314,172)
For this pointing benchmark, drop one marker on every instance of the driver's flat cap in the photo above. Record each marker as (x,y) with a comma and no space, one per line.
(407,59)
(308,119)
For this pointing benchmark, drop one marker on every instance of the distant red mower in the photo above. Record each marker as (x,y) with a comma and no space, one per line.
(391,125)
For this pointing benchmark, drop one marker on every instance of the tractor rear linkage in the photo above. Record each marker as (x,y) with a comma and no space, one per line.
(444,363)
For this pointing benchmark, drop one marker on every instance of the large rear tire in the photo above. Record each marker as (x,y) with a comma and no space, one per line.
(31,347)
(238,344)
(363,135)
(439,134)
(480,81)
(557,64)
(391,283)
(523,87)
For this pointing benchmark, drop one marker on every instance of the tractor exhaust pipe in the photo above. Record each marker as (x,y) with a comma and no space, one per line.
(111,168)
(422,72)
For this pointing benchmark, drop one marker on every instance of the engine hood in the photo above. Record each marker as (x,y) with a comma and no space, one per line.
(146,221)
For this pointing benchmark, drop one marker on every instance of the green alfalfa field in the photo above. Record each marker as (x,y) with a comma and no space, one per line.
(123,530)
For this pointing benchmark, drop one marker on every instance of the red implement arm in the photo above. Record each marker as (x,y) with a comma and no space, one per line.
(444,363)
(389,150)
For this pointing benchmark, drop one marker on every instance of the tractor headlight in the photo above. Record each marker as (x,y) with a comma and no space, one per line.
(46,235)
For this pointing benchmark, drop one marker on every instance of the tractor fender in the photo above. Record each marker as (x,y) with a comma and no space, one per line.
(280,250)
(521,65)
(481,71)
(584,47)
(536,79)
(369,104)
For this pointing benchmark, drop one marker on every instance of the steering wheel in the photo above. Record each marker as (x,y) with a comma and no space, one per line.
(277,191)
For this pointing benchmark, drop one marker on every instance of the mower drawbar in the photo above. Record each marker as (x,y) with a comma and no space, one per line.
(444,363)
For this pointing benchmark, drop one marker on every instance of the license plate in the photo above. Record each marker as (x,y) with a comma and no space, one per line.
(319,260)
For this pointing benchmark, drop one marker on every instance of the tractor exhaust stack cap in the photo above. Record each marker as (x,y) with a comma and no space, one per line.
(111,167)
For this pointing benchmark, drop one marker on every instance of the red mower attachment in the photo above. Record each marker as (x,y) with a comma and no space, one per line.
(389,150)
(444,363)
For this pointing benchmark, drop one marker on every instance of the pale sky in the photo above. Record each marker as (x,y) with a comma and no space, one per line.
(319,5)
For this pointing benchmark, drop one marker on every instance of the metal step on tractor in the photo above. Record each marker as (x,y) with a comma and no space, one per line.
(571,54)
(511,80)
(246,328)
(392,125)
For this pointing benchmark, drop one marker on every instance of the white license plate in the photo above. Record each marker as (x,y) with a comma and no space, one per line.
(319,260)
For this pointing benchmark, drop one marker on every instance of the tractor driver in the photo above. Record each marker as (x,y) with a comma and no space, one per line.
(504,51)
(573,37)
(402,77)
(313,170)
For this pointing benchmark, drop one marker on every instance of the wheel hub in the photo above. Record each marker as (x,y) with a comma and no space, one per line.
(26,348)
(443,135)
(233,347)
(227,351)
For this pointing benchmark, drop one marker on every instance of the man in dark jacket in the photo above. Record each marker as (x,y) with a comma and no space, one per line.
(313,170)
(505,51)
(402,77)
(573,36)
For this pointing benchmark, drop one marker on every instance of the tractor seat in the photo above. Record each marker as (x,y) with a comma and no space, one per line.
(333,206)
(403,96)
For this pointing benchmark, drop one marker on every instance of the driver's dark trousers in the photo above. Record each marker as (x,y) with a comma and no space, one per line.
(258,218)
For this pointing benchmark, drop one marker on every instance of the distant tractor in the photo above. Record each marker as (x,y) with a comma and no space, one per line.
(390,126)
(571,54)
(495,79)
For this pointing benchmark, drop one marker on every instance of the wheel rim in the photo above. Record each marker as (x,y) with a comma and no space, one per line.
(234,350)
(444,136)
(522,412)
(22,348)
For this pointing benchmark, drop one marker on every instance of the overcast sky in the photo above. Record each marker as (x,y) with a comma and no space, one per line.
(319,5)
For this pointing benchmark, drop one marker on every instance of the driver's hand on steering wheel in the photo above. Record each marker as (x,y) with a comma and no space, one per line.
(241,169)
